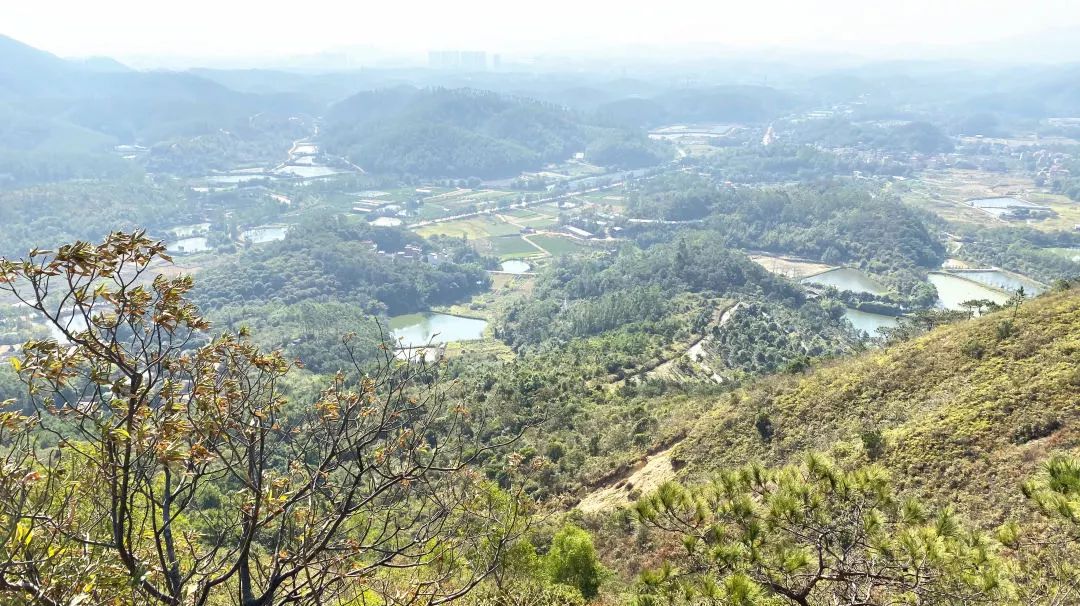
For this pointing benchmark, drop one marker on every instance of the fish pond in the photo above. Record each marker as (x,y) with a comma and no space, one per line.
(997,278)
(847,278)
(514,267)
(869,322)
(420,329)
(189,245)
(954,290)
(265,233)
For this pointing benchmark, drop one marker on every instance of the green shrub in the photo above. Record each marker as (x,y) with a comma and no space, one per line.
(572,561)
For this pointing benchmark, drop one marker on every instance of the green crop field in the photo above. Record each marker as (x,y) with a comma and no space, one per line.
(557,245)
(474,228)
(506,247)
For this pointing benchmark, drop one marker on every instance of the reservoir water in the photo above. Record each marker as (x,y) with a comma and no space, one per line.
(189,245)
(1000,279)
(418,330)
(954,290)
(846,278)
(265,233)
(869,322)
(514,267)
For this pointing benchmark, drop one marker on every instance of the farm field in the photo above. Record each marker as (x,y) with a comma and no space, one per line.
(483,305)
(507,247)
(944,193)
(528,218)
(1068,212)
(460,201)
(559,245)
(1068,253)
(473,228)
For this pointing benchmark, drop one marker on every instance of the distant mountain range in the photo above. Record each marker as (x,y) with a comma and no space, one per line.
(46,101)
(441,123)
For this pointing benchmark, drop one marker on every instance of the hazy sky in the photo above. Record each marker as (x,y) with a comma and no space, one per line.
(219,28)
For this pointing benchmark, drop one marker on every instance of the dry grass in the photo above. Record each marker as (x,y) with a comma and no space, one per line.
(790,267)
(649,474)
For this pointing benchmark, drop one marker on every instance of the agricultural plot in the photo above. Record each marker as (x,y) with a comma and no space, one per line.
(945,193)
(522,213)
(529,218)
(460,201)
(548,209)
(1073,254)
(473,228)
(576,169)
(507,247)
(1068,212)
(558,245)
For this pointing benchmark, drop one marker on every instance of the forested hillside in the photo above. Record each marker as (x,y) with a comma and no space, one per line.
(470,133)
(39,215)
(961,438)
(831,222)
(341,261)
(958,416)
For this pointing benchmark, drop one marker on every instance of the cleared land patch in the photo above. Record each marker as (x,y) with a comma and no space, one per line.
(790,267)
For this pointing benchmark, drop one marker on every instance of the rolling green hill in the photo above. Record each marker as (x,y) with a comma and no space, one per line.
(60,119)
(471,133)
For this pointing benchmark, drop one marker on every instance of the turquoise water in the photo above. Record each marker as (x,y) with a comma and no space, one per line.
(515,267)
(869,322)
(846,278)
(1000,279)
(189,245)
(417,330)
(265,233)
(954,290)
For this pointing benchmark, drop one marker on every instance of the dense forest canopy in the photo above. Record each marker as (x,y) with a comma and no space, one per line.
(470,133)
(335,259)
(836,224)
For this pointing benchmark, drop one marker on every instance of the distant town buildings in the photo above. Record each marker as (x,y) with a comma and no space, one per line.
(577,231)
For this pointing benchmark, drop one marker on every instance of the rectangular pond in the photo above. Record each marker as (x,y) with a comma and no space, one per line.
(308,172)
(954,290)
(847,278)
(235,179)
(420,329)
(188,245)
(265,233)
(1003,206)
(997,278)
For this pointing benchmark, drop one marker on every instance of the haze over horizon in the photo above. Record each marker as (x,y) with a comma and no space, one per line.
(241,32)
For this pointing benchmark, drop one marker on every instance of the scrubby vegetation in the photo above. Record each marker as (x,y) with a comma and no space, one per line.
(954,425)
(660,410)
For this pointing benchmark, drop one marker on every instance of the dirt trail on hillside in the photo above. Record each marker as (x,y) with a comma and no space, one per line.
(696,351)
(653,471)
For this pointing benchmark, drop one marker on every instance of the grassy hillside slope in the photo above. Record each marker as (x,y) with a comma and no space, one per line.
(963,413)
